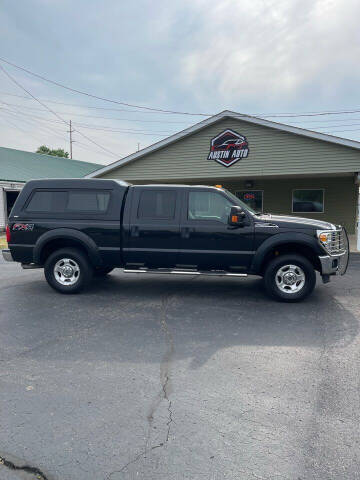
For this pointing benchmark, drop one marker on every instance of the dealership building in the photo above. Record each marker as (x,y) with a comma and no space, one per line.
(271,166)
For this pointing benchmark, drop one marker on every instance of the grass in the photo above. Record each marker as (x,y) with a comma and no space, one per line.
(3,243)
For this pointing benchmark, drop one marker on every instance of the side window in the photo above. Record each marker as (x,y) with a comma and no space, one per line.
(208,206)
(72,201)
(46,201)
(87,201)
(157,204)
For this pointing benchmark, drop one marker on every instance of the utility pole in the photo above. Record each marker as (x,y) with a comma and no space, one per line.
(71,140)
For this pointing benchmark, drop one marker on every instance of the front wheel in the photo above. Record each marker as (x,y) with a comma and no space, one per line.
(289,278)
(68,270)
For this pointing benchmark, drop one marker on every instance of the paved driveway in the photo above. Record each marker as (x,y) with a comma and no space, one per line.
(157,377)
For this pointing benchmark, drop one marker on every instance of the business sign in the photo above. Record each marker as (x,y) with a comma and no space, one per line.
(228,148)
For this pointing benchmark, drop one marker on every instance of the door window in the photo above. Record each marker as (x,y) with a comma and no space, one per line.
(208,206)
(252,198)
(157,204)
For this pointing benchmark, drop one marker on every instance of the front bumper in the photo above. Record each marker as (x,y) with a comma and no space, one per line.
(337,259)
(334,264)
(7,255)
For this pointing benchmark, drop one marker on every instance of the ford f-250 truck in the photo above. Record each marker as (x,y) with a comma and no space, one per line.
(80,229)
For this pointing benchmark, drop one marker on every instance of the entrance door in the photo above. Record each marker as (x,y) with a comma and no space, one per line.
(253,198)
(154,230)
(11,197)
(207,239)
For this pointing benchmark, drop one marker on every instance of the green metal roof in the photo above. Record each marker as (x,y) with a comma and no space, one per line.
(20,166)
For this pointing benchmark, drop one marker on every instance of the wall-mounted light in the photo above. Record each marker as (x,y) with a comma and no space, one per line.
(249,184)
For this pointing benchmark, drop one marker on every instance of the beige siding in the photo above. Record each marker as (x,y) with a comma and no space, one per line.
(340,197)
(272,152)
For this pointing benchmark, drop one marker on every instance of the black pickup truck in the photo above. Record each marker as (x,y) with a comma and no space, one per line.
(80,229)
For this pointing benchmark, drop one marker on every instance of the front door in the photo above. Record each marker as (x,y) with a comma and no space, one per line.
(207,239)
(154,230)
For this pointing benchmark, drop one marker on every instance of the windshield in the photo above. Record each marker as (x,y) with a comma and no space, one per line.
(237,201)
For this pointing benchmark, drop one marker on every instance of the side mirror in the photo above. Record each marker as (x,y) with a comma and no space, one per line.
(237,216)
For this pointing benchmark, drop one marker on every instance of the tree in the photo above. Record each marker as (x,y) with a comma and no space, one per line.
(58,152)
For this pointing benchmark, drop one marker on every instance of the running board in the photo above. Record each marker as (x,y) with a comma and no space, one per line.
(186,272)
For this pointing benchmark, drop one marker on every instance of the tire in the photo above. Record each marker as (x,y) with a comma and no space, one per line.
(74,260)
(289,278)
(102,271)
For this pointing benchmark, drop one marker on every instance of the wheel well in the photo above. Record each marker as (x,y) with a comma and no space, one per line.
(289,248)
(58,243)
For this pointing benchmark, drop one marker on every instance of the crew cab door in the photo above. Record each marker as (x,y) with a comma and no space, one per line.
(207,239)
(153,234)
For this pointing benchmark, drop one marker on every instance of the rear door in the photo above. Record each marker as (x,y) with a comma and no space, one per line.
(153,233)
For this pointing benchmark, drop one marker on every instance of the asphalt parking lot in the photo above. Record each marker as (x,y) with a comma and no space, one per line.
(158,377)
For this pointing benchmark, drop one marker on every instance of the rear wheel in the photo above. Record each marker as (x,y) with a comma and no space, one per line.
(289,278)
(68,270)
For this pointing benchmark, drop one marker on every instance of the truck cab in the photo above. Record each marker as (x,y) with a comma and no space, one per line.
(78,229)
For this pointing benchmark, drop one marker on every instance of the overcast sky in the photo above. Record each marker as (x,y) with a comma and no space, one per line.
(197,56)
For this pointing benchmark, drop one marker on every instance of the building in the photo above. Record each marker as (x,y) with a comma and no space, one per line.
(271,166)
(17,167)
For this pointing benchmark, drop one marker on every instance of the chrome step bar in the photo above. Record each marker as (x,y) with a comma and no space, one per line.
(185,272)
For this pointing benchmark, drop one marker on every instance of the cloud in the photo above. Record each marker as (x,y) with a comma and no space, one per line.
(253,48)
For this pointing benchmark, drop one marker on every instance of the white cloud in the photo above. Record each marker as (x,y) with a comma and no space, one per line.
(252,48)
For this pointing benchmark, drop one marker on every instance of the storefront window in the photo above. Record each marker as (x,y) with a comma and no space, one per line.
(253,198)
(308,201)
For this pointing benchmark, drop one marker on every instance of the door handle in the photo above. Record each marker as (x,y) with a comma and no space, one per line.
(134,231)
(185,232)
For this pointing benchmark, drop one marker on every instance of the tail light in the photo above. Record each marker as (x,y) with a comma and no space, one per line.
(8,234)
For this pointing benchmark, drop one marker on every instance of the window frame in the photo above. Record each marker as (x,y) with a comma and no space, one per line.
(253,190)
(318,189)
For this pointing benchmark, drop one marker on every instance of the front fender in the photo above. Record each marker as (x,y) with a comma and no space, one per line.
(280,239)
(71,234)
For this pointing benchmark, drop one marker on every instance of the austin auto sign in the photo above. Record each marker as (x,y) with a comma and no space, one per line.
(228,148)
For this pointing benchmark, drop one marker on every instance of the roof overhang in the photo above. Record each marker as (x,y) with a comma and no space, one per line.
(215,118)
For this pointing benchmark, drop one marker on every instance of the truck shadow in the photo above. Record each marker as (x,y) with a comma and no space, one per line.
(120,319)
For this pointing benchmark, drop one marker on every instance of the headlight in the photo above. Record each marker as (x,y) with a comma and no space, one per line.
(325,238)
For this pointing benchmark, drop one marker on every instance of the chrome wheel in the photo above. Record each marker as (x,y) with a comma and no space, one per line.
(66,271)
(290,279)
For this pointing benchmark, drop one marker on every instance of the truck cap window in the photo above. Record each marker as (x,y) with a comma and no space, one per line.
(157,204)
(76,201)
(46,201)
(87,201)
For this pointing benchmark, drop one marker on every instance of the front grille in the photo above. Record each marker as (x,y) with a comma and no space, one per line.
(338,244)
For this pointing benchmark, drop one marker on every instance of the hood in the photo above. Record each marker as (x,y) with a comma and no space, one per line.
(287,221)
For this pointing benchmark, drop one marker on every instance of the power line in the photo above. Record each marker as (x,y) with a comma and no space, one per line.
(88,106)
(53,112)
(100,98)
(97,116)
(105,128)
(53,132)
(262,115)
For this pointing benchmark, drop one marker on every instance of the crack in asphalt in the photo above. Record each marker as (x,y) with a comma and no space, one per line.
(39,475)
(166,363)
(164,394)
